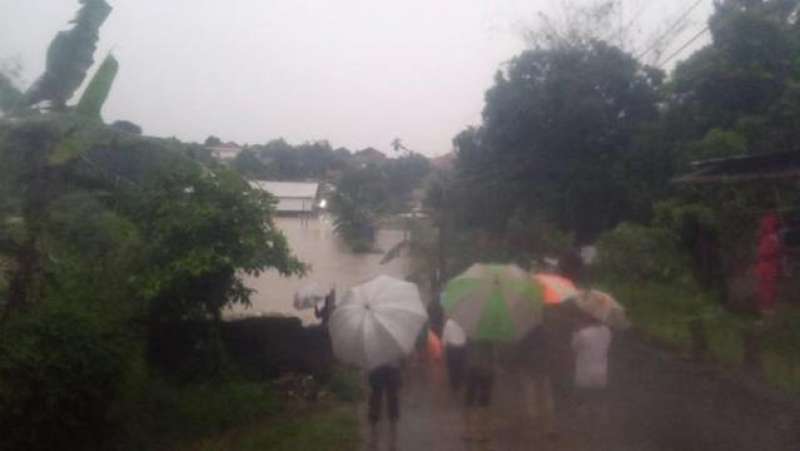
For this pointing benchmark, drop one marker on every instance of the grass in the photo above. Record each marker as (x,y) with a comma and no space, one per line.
(327,428)
(346,385)
(663,312)
(782,373)
(782,351)
(166,415)
(237,415)
(658,311)
(725,339)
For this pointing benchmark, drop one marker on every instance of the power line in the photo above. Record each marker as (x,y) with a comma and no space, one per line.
(684,46)
(674,26)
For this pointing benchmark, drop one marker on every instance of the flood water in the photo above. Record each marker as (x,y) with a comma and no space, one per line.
(332,265)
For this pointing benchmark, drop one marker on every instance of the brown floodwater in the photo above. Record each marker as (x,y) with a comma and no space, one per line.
(333,265)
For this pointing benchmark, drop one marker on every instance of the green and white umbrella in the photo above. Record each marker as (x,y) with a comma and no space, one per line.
(495,303)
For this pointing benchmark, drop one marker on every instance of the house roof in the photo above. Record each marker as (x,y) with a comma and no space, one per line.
(744,169)
(292,196)
(288,189)
(226,151)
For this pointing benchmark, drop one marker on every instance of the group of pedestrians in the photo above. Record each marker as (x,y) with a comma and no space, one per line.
(561,364)
(565,359)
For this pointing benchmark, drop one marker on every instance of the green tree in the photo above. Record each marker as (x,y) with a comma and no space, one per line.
(203,230)
(359,199)
(743,83)
(558,133)
(212,141)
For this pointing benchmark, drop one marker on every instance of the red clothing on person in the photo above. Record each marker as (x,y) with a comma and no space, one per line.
(768,265)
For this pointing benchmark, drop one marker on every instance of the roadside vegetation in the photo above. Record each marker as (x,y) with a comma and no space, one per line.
(106,238)
(581,142)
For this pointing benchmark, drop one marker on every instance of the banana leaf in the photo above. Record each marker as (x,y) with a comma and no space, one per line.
(96,94)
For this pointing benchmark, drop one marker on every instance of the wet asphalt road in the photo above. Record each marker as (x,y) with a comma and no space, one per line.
(656,402)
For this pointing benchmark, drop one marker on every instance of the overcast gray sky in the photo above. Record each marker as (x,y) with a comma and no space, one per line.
(355,72)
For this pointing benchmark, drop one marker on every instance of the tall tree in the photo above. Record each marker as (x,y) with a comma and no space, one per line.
(558,132)
(744,85)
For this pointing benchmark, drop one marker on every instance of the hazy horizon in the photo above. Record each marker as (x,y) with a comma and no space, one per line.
(355,73)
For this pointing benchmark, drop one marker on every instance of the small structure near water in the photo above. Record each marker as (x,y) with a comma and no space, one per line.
(294,198)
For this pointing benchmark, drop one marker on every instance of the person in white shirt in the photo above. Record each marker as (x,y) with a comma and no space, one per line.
(591,345)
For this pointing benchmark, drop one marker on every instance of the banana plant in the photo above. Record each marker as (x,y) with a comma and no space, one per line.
(96,94)
(69,57)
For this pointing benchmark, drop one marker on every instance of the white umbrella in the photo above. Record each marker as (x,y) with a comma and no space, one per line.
(602,306)
(377,322)
(308,296)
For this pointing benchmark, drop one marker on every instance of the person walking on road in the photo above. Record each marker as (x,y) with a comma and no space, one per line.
(455,351)
(479,385)
(591,344)
(536,364)
(384,382)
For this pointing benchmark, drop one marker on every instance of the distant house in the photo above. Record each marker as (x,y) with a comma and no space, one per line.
(293,197)
(369,155)
(224,152)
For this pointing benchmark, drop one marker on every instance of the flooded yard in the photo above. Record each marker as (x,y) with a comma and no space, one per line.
(332,265)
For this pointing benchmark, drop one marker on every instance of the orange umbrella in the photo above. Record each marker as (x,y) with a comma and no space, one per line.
(556,288)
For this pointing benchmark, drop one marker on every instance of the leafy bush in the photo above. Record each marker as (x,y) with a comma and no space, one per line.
(325,428)
(781,356)
(346,385)
(333,429)
(60,369)
(642,253)
(660,310)
(536,237)
(203,231)
(160,415)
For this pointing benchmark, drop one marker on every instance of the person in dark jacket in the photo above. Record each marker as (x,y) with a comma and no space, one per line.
(324,314)
(481,362)
(455,352)
(537,362)
(384,382)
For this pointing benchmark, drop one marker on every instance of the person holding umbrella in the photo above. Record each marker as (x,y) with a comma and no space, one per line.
(375,327)
(597,313)
(324,314)
(495,305)
(481,362)
(384,381)
(455,352)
